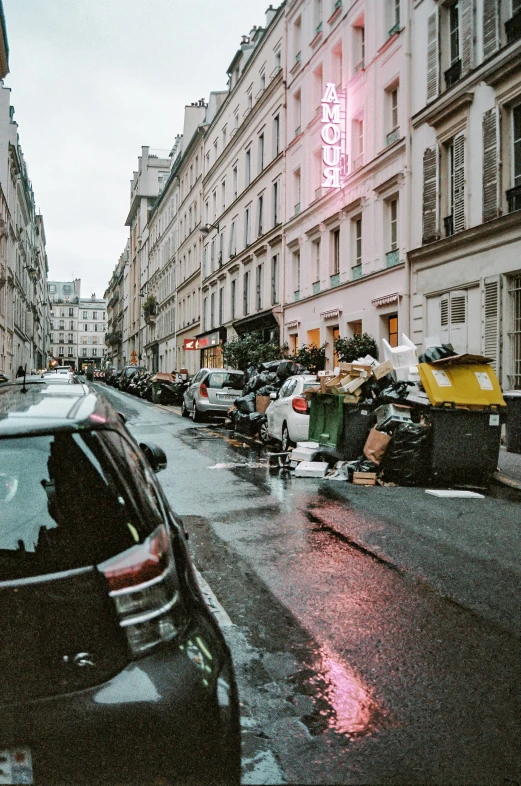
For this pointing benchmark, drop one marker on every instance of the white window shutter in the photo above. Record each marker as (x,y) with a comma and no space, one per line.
(491,320)
(458,320)
(459,183)
(444,319)
(490,164)
(467,35)
(430,196)
(490,27)
(432,56)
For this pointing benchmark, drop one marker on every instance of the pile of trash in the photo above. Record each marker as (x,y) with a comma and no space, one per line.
(411,421)
(247,414)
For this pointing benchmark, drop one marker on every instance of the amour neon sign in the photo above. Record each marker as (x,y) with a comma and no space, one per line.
(331,136)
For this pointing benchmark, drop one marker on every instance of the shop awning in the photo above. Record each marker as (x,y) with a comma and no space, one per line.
(261,321)
(386,300)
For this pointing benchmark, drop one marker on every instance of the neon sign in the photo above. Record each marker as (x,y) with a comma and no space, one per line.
(331,135)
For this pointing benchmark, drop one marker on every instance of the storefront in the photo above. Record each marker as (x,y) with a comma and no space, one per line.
(209,345)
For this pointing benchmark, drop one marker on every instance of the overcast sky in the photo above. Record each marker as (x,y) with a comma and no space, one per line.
(94,80)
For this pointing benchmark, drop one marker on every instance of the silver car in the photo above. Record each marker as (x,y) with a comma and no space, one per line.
(212,391)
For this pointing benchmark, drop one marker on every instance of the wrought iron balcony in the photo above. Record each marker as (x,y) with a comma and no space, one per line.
(392,258)
(356,272)
(448,223)
(513,27)
(514,199)
(453,74)
(334,280)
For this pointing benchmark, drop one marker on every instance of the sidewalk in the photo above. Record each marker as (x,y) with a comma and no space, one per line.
(509,468)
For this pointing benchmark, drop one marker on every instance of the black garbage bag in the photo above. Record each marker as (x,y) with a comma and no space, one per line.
(256,417)
(245,404)
(267,377)
(252,384)
(245,425)
(437,353)
(267,389)
(288,368)
(395,393)
(407,460)
(270,365)
(361,464)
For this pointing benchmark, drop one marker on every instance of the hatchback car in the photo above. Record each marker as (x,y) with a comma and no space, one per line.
(212,391)
(126,375)
(112,668)
(287,417)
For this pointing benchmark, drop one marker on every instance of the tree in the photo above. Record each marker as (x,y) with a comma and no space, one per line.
(249,350)
(349,349)
(310,356)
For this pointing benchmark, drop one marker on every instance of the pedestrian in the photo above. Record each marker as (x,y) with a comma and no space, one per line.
(20,372)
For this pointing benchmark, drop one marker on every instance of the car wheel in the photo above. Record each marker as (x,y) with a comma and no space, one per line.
(184,411)
(196,415)
(286,442)
(264,433)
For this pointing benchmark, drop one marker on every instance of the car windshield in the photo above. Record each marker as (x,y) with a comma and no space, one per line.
(224,379)
(70,500)
(310,384)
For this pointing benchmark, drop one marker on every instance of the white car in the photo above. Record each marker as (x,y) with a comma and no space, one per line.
(288,415)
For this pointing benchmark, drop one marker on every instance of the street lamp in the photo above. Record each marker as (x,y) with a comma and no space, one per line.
(208,228)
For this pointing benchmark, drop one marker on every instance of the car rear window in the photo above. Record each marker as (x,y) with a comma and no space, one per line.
(311,384)
(71,500)
(224,379)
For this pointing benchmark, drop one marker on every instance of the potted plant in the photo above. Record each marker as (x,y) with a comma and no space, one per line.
(349,349)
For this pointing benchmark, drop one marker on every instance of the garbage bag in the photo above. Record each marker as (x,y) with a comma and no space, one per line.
(267,389)
(270,365)
(437,353)
(288,368)
(244,425)
(245,404)
(407,459)
(256,417)
(396,392)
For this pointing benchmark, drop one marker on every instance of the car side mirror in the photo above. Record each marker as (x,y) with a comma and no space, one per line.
(156,456)
(122,417)
(274,396)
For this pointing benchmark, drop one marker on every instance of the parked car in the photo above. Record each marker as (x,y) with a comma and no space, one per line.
(288,414)
(112,668)
(212,391)
(112,376)
(127,374)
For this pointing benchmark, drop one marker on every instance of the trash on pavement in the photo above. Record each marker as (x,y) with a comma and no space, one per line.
(311,469)
(364,478)
(304,454)
(376,445)
(455,493)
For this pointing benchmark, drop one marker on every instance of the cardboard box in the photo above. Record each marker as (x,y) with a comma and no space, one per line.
(330,384)
(383,369)
(364,478)
(310,392)
(351,385)
(262,403)
(304,454)
(311,469)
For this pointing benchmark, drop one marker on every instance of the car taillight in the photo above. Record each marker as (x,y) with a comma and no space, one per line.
(143,584)
(203,390)
(300,405)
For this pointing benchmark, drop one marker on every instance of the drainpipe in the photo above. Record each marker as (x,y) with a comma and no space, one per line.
(408,171)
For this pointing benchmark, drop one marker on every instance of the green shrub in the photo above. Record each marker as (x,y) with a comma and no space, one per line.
(349,349)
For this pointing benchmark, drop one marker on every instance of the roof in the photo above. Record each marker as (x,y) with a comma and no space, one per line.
(39,407)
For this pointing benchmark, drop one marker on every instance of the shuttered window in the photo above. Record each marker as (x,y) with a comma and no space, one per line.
(490,27)
(467,34)
(430,196)
(432,56)
(453,320)
(514,291)
(491,320)
(459,183)
(490,165)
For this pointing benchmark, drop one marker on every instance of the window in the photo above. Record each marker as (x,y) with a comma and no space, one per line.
(205,261)
(71,312)
(297,31)
(454,33)
(85,314)
(236,119)
(274,279)
(212,310)
(233,297)
(318,92)
(221,305)
(297,112)
(296,190)
(392,256)
(70,351)
(335,252)
(316,260)
(392,103)
(214,199)
(247,168)
(394,16)
(514,291)
(455,158)
(246,293)
(212,256)
(317,14)
(393,217)
(359,46)
(262,80)
(392,329)
(514,194)
(356,269)
(216,150)
(249,99)
(276,135)
(234,183)
(296,274)
(258,287)
(223,195)
(232,246)
(278,59)
(225,136)
(337,65)
(260,218)
(247,227)
(205,313)
(276,203)
(261,152)
(358,143)
(220,258)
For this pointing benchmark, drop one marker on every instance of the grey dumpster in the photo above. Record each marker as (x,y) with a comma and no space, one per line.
(513,425)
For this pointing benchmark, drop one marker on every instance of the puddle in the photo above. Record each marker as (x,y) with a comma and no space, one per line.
(341,702)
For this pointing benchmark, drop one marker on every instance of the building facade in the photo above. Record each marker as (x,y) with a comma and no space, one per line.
(92,326)
(466,126)
(64,299)
(114,296)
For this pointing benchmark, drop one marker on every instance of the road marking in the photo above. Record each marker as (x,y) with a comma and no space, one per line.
(215,607)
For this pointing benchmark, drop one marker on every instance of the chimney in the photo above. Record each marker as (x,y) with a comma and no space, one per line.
(270,14)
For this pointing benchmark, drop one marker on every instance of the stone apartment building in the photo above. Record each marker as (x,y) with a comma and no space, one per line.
(465,256)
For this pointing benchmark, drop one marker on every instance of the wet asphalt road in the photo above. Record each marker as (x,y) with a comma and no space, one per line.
(376,632)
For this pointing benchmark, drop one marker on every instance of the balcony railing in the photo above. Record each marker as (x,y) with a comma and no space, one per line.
(453,74)
(392,258)
(514,199)
(513,27)
(392,136)
(334,280)
(448,224)
(316,287)
(356,272)
(296,296)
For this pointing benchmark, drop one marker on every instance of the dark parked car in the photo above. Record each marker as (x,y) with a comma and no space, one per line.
(112,668)
(126,375)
